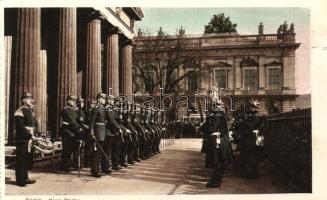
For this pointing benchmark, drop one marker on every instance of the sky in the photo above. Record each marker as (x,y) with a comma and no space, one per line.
(247,20)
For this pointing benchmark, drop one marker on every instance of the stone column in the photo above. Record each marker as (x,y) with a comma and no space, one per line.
(67,58)
(93,58)
(7,58)
(43,91)
(27,57)
(126,67)
(111,69)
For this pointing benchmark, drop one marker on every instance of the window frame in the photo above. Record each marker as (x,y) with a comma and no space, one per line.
(267,77)
(255,77)
(197,83)
(226,76)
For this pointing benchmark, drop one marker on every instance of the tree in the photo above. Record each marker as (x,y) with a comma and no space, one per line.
(156,60)
(220,24)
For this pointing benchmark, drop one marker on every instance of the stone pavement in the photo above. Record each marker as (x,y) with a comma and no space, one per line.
(179,169)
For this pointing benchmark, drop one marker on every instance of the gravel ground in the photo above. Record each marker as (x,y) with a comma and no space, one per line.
(179,169)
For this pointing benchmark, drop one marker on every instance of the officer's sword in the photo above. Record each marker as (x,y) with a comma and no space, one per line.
(104,153)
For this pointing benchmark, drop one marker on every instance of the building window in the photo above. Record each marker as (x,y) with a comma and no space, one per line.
(249,79)
(220,78)
(149,81)
(192,82)
(273,78)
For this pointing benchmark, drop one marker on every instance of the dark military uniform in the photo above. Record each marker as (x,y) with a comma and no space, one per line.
(98,128)
(112,143)
(131,148)
(206,129)
(142,136)
(88,143)
(220,147)
(249,154)
(81,119)
(149,151)
(126,139)
(70,131)
(139,137)
(26,124)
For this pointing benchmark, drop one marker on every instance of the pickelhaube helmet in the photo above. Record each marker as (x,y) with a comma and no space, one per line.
(71,97)
(111,97)
(255,103)
(80,100)
(92,101)
(101,95)
(26,95)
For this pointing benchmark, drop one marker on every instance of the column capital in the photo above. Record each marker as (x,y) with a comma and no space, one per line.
(114,30)
(94,15)
(127,42)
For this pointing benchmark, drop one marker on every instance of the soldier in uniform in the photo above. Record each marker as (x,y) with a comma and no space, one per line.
(252,128)
(98,132)
(81,119)
(218,143)
(150,146)
(112,141)
(206,129)
(70,131)
(125,137)
(26,125)
(133,138)
(88,139)
(142,136)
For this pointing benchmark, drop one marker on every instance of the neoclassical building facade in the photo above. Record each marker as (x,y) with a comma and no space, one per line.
(55,52)
(244,67)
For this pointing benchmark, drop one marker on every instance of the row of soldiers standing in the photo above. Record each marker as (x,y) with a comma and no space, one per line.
(115,133)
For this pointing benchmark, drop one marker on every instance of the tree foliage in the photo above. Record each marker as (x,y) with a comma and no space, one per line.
(220,24)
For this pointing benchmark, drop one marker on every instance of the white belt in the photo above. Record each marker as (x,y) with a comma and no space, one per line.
(100,123)
(66,123)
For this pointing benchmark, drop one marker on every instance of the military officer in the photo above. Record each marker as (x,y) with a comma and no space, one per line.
(131,139)
(88,139)
(206,129)
(70,131)
(81,119)
(125,137)
(140,133)
(218,143)
(112,141)
(98,132)
(137,123)
(146,124)
(252,129)
(26,125)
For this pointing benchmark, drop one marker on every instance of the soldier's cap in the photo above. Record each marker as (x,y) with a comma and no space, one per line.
(111,97)
(80,100)
(101,95)
(256,104)
(71,97)
(92,101)
(26,95)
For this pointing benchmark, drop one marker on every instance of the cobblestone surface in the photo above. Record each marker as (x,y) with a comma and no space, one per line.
(179,169)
